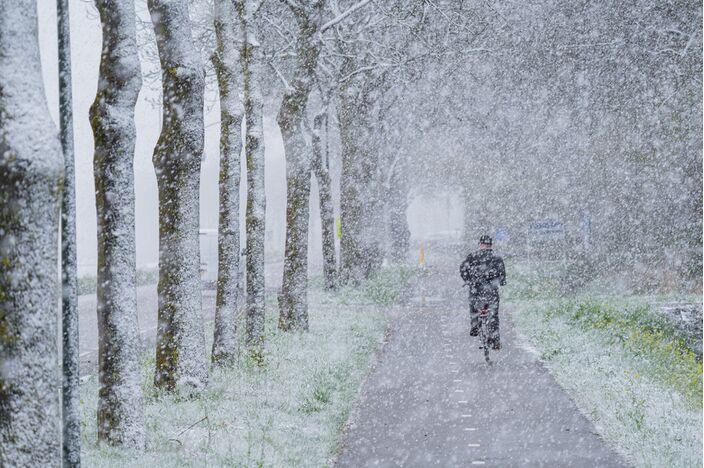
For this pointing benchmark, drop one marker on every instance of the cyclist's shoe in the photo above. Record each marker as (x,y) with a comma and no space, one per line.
(474,332)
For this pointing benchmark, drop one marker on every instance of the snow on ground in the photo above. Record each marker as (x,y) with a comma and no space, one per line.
(288,412)
(620,387)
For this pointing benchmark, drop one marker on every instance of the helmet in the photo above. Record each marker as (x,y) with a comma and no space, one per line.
(485,239)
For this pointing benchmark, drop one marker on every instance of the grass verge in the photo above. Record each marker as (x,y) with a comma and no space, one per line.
(89,284)
(287,410)
(627,371)
(384,288)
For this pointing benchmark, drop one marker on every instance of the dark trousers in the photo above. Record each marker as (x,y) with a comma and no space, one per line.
(477,303)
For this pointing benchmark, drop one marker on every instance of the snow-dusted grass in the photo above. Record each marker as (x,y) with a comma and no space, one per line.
(532,280)
(384,288)
(288,411)
(627,372)
(88,284)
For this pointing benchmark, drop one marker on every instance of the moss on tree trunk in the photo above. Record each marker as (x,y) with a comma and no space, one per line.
(227,302)
(120,404)
(31,173)
(181,362)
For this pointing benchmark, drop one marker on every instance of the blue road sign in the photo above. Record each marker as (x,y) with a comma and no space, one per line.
(546,226)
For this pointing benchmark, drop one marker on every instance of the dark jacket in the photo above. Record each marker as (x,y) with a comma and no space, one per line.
(483,272)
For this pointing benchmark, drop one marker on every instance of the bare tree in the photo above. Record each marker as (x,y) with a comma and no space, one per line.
(180,351)
(120,408)
(302,158)
(373,62)
(228,71)
(321,171)
(293,313)
(395,196)
(31,173)
(360,207)
(252,70)
(71,387)
(360,57)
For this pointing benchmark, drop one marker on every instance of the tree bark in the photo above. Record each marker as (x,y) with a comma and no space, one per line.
(395,205)
(120,407)
(181,362)
(398,226)
(252,62)
(31,173)
(71,387)
(360,208)
(321,170)
(226,61)
(293,303)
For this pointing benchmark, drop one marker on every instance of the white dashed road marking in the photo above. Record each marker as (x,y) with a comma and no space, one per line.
(462,402)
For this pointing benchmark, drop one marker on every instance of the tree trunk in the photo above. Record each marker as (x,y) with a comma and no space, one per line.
(400,234)
(321,170)
(351,217)
(31,173)
(227,300)
(396,202)
(120,409)
(360,208)
(71,388)
(181,362)
(293,303)
(252,69)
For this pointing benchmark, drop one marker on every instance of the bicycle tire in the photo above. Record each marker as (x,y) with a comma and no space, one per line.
(484,338)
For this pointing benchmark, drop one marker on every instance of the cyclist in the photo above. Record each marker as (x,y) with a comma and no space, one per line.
(484,272)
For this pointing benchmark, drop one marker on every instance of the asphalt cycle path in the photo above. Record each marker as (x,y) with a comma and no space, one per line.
(431,400)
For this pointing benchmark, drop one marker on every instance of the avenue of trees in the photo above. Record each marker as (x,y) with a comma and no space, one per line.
(331,71)
(527,110)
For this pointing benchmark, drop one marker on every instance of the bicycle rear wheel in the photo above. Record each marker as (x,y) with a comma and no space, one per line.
(484,337)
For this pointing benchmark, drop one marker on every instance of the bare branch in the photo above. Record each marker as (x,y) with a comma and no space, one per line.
(287,86)
(343,15)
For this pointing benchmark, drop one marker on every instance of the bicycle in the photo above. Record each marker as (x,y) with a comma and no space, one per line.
(484,332)
(483,317)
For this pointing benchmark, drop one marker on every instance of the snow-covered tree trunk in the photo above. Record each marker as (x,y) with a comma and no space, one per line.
(71,387)
(396,203)
(120,408)
(181,362)
(31,173)
(293,303)
(360,208)
(350,200)
(226,62)
(252,61)
(321,170)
